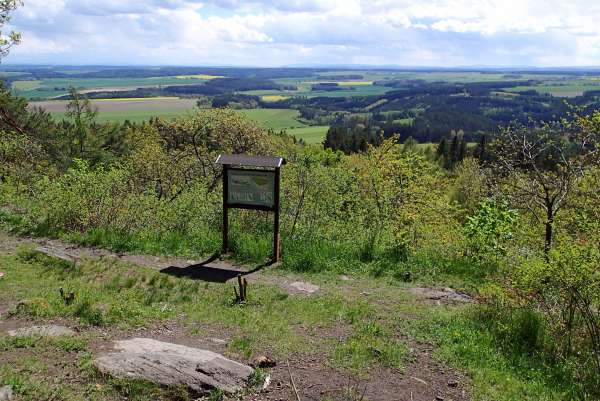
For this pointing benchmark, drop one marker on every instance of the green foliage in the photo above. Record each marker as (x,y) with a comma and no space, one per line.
(490,229)
(566,287)
(502,349)
(13,38)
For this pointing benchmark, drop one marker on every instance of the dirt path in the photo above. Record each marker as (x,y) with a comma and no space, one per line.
(424,378)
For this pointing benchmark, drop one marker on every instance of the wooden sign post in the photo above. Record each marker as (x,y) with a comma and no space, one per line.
(251,182)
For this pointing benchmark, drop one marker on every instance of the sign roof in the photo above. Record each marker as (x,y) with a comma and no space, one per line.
(253,161)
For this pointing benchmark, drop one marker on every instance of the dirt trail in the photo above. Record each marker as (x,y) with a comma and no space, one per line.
(423,379)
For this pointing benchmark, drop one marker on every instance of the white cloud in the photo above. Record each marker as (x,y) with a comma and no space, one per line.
(262,32)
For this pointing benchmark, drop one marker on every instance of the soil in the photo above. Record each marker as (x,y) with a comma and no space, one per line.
(424,378)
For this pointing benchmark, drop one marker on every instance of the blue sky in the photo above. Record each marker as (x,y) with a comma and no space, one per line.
(439,33)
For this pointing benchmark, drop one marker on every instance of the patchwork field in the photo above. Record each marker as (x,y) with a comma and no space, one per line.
(55,87)
(142,109)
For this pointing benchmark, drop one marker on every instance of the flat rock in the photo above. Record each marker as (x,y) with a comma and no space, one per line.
(445,295)
(42,331)
(6,393)
(172,365)
(306,288)
(59,254)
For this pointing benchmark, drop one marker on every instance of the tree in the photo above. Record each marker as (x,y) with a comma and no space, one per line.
(13,38)
(537,166)
(83,114)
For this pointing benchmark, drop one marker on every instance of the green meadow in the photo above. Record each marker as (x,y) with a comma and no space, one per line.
(139,110)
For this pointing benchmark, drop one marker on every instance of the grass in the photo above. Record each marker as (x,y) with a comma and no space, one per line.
(311,134)
(132,109)
(26,85)
(276,119)
(500,354)
(110,293)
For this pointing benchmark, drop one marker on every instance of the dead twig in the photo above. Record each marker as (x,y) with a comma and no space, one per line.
(292,381)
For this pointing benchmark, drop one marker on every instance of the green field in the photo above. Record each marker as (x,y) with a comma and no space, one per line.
(561,86)
(120,110)
(311,134)
(142,109)
(54,87)
(287,119)
(276,119)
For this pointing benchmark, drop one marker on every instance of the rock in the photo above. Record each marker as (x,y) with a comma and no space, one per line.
(263,362)
(343,277)
(305,287)
(446,295)
(172,364)
(43,331)
(438,398)
(57,254)
(452,383)
(6,393)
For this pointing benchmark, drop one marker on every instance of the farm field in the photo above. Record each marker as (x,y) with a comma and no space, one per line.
(286,119)
(142,109)
(120,110)
(565,89)
(310,134)
(55,87)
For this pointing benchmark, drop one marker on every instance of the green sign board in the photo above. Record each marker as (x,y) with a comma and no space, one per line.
(251,187)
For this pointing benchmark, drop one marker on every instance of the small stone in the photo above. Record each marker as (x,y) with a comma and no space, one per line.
(452,383)
(6,393)
(42,331)
(343,277)
(439,398)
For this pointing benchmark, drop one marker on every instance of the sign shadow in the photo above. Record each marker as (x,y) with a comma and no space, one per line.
(212,270)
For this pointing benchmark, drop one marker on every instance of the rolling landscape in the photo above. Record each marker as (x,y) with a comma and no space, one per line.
(299,201)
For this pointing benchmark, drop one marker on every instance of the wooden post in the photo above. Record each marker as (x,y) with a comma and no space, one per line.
(276,237)
(225,246)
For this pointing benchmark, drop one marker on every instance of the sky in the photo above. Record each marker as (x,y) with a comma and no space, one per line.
(434,33)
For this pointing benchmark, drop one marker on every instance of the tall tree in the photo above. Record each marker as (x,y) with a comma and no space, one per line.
(538,166)
(83,115)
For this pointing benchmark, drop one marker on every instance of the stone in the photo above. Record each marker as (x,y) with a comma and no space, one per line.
(172,365)
(42,331)
(57,254)
(307,288)
(6,393)
(452,383)
(445,295)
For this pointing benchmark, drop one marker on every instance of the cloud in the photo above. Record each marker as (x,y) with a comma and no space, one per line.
(272,32)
